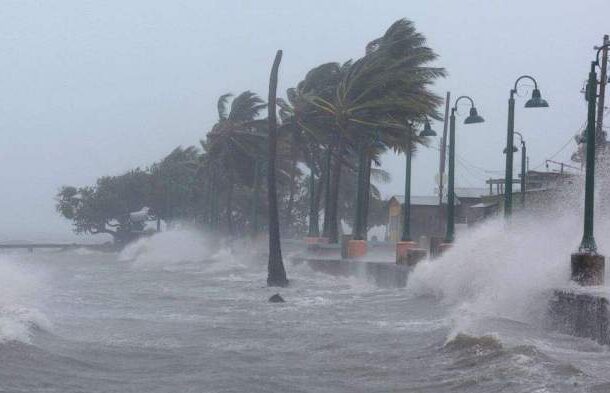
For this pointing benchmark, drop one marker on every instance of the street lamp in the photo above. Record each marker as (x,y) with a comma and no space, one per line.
(473,118)
(523,165)
(535,102)
(587,265)
(523,168)
(406,219)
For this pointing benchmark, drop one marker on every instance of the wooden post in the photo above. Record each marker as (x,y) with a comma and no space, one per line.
(441,170)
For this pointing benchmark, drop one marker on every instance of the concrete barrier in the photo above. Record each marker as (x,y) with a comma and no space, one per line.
(382,274)
(414,256)
(581,312)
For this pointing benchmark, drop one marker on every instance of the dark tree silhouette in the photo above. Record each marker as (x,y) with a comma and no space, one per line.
(276,276)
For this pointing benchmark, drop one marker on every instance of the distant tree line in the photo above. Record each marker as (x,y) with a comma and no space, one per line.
(333,126)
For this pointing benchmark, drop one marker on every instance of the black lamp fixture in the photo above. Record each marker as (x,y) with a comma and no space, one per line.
(474,117)
(427,131)
(536,101)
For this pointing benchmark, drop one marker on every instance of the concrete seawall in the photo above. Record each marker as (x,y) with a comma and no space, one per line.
(581,312)
(383,274)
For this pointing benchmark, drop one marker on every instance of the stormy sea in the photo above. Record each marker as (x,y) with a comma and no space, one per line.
(178,313)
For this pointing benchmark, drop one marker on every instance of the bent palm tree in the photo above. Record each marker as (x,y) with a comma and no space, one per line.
(377,94)
(317,129)
(298,118)
(233,145)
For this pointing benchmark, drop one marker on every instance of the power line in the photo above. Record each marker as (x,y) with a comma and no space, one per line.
(562,148)
(471,165)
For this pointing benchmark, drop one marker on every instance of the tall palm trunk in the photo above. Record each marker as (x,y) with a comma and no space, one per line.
(314,225)
(276,274)
(229,211)
(367,197)
(327,191)
(292,189)
(213,188)
(333,229)
(256,198)
(359,230)
(319,191)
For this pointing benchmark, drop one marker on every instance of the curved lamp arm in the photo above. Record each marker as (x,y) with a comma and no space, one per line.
(462,97)
(598,52)
(524,77)
(520,137)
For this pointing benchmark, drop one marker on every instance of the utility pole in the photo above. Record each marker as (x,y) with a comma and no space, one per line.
(603,80)
(441,170)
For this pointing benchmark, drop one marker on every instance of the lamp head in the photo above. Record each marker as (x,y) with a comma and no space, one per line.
(474,117)
(536,101)
(427,131)
(514,149)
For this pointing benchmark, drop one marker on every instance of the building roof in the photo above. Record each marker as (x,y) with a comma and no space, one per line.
(471,192)
(483,205)
(423,200)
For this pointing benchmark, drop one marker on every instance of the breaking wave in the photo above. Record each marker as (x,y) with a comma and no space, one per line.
(465,342)
(167,248)
(501,271)
(174,248)
(19,316)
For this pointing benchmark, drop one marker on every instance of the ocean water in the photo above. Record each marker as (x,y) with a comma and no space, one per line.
(179,313)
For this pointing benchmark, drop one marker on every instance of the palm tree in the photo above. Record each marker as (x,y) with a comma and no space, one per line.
(233,145)
(376,95)
(276,274)
(314,128)
(174,185)
(299,129)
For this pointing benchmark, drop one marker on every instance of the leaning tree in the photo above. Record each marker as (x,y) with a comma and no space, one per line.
(374,98)
(232,147)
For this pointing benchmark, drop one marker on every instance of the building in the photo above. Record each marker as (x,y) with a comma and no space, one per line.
(428,217)
(473,205)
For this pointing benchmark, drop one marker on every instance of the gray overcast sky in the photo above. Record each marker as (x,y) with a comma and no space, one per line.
(89,88)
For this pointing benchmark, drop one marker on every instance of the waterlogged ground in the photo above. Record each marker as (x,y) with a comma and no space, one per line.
(170,315)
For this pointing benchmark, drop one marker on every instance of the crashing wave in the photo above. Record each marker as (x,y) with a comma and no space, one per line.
(19,317)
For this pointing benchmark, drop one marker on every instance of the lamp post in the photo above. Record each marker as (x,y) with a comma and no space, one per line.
(473,118)
(523,169)
(587,265)
(588,241)
(523,165)
(535,102)
(405,248)
(406,219)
